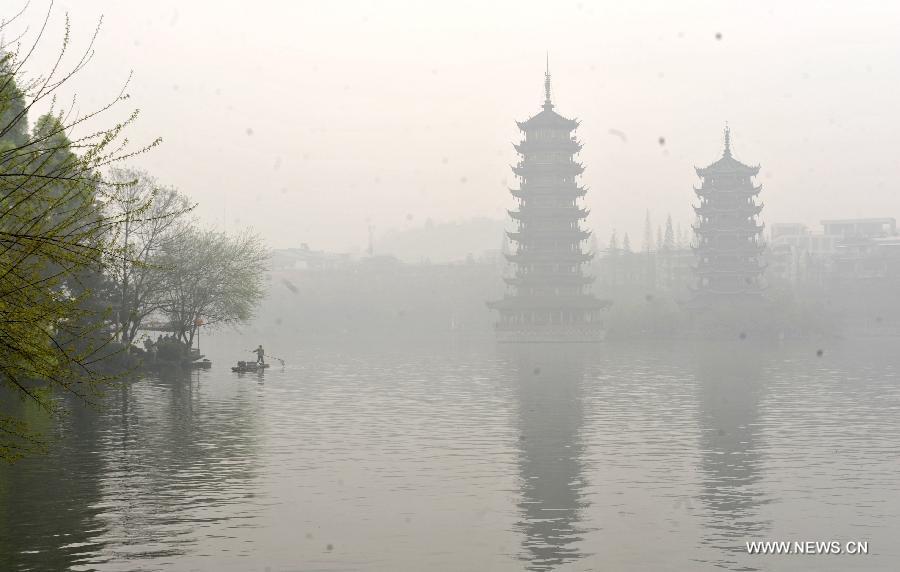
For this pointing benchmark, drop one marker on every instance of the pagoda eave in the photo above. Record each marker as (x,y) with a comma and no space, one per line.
(705,210)
(568,236)
(534,258)
(519,302)
(704,230)
(548,119)
(555,279)
(727,168)
(569,146)
(542,213)
(531,189)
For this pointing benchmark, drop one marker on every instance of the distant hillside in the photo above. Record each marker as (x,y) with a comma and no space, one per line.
(443,242)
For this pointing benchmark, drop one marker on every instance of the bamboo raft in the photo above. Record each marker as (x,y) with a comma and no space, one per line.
(245,366)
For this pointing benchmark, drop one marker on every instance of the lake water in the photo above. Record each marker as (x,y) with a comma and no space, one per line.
(614,457)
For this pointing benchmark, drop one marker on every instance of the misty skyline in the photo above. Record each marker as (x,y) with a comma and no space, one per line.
(310,121)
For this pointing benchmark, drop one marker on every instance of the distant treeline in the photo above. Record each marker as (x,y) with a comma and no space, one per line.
(328,297)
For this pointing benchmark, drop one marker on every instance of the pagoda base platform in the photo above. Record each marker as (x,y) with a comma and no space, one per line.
(551,334)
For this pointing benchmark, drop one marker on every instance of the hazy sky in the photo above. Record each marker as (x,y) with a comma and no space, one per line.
(310,120)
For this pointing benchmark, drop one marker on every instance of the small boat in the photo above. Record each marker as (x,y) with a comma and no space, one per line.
(244,366)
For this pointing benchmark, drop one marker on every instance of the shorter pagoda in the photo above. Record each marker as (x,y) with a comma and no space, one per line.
(548,298)
(729,244)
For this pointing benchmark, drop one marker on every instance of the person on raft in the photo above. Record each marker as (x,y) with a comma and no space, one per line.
(260,354)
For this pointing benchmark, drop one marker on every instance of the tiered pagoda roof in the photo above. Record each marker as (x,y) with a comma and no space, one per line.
(547,294)
(727,164)
(548,119)
(571,191)
(549,212)
(728,233)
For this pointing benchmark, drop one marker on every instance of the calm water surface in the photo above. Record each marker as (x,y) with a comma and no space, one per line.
(651,457)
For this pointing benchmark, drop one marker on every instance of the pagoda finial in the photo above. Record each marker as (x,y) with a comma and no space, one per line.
(547,103)
(727,152)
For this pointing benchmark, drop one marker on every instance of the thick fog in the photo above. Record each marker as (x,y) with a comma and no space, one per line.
(312,121)
(450,286)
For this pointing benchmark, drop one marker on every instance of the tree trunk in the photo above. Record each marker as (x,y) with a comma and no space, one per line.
(123,312)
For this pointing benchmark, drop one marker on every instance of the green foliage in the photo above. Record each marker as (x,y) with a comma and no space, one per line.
(54,236)
(217,278)
(138,279)
(171,350)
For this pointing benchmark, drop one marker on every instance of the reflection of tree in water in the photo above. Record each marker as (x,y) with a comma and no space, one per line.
(550,452)
(48,519)
(729,382)
(139,479)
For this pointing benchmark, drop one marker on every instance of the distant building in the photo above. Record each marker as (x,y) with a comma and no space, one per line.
(867,248)
(855,228)
(847,249)
(305,259)
(729,247)
(779,229)
(798,237)
(797,255)
(865,275)
(548,295)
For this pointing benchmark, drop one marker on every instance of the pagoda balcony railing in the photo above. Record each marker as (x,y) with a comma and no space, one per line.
(580,331)
(549,301)
(534,257)
(533,162)
(570,168)
(749,242)
(534,189)
(738,240)
(731,229)
(750,248)
(560,212)
(713,226)
(705,209)
(561,279)
(571,138)
(561,237)
(571,145)
(713,192)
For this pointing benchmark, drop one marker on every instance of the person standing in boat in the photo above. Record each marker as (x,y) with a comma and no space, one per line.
(260,355)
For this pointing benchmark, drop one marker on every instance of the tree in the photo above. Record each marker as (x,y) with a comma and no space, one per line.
(141,237)
(613,243)
(215,279)
(13,113)
(669,239)
(626,244)
(52,230)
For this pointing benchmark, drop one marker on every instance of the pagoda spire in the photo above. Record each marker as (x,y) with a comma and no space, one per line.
(727,152)
(548,105)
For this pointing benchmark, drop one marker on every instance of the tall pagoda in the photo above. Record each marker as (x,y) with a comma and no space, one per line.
(729,244)
(548,298)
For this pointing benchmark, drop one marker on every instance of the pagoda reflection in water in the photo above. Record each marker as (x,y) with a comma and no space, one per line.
(551,452)
(730,385)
